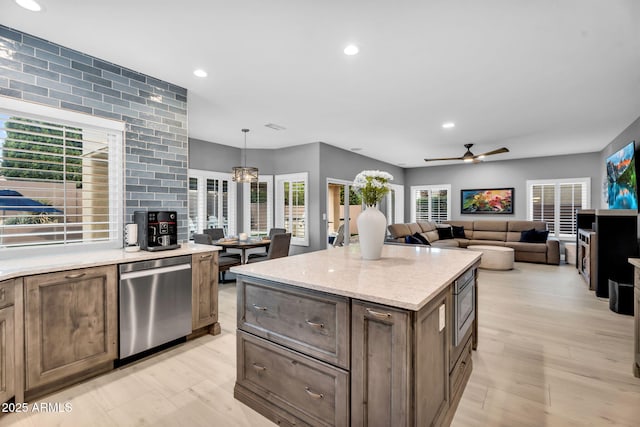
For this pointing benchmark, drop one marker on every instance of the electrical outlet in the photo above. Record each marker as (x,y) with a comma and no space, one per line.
(441,318)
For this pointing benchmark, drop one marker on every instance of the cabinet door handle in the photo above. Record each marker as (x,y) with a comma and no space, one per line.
(205,256)
(315,325)
(74,276)
(312,394)
(259,367)
(379,314)
(259,307)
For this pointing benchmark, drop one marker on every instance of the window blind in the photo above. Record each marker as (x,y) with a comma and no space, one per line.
(57,182)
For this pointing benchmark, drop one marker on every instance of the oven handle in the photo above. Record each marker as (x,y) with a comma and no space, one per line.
(154,271)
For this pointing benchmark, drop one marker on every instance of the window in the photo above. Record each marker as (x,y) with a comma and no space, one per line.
(258,206)
(556,201)
(212,202)
(431,203)
(60,177)
(291,208)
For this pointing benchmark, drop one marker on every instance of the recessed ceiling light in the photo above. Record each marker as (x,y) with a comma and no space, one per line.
(448,125)
(275,126)
(200,73)
(31,5)
(351,50)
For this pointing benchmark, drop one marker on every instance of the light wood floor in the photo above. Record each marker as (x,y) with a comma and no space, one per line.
(550,354)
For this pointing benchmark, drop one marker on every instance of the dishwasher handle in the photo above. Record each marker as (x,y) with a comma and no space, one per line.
(154,271)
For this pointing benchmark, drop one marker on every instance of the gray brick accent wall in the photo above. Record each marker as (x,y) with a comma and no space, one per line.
(155,112)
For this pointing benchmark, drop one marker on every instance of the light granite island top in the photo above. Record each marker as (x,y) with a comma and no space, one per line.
(405,277)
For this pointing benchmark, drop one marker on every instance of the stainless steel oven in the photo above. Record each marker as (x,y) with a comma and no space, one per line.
(463,305)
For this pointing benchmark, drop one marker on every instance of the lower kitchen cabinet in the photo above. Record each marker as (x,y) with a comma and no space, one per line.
(204,270)
(70,325)
(399,364)
(7,354)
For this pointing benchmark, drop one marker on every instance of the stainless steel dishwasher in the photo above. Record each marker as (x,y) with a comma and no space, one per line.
(155,303)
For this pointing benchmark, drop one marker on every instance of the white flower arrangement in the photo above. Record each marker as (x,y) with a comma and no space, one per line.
(373,185)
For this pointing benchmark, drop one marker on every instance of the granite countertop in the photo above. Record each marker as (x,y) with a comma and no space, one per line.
(20,263)
(406,277)
(635,262)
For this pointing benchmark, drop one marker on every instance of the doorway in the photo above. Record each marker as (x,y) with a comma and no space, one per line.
(343,207)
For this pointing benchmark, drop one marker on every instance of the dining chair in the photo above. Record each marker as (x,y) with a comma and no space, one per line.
(272,232)
(279,248)
(339,239)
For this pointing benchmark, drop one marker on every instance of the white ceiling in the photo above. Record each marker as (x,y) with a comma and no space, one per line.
(543,77)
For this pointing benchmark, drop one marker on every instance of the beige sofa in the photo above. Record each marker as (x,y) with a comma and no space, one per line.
(498,233)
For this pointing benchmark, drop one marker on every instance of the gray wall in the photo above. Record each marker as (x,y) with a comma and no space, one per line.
(155,113)
(631,133)
(506,173)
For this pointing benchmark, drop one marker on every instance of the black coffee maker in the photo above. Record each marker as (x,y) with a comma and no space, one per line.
(157,230)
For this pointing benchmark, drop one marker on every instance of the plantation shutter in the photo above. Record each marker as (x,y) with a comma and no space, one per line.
(58,183)
(291,207)
(543,204)
(431,203)
(572,196)
(212,201)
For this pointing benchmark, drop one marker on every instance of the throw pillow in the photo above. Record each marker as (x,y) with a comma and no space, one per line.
(412,240)
(445,233)
(422,239)
(458,231)
(534,236)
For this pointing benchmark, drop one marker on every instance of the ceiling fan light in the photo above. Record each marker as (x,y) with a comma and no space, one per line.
(481,156)
(468,159)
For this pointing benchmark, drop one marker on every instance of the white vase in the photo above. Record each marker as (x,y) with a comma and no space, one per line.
(371,230)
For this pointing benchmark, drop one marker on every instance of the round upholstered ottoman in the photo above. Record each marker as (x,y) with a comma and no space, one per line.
(494,257)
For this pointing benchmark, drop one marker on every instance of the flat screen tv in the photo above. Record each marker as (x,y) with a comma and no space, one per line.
(621,178)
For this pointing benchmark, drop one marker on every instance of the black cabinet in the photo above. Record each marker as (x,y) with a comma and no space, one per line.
(617,231)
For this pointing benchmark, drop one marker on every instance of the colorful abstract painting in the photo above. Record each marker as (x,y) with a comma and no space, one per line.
(621,179)
(487,201)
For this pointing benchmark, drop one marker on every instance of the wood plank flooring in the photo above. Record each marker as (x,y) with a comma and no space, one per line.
(550,354)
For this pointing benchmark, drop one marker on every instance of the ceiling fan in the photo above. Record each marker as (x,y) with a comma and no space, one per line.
(469,156)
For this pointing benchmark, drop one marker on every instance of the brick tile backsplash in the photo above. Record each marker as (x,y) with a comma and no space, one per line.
(156,143)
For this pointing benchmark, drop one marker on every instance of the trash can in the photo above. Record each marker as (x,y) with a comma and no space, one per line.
(621,297)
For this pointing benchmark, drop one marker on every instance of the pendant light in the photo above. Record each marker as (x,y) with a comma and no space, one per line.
(245,173)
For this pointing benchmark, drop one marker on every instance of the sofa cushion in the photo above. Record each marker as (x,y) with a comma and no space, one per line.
(490,235)
(458,231)
(463,243)
(432,236)
(412,240)
(414,228)
(427,225)
(447,243)
(534,236)
(445,233)
(468,227)
(422,237)
(526,247)
(399,230)
(486,242)
(489,226)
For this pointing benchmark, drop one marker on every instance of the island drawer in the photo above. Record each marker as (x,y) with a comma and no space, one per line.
(314,392)
(312,323)
(461,370)
(6,293)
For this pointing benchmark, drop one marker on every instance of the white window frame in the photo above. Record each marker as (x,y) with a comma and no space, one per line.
(586,181)
(292,177)
(398,208)
(246,203)
(202,176)
(115,130)
(430,188)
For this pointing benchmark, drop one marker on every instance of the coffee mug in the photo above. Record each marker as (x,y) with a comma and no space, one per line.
(131,234)
(164,240)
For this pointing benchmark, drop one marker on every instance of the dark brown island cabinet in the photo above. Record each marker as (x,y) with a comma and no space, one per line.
(314,357)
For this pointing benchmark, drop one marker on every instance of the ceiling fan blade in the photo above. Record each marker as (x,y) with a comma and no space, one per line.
(443,158)
(497,151)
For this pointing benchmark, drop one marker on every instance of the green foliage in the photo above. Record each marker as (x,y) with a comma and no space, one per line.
(35,150)
(354,197)
(33,218)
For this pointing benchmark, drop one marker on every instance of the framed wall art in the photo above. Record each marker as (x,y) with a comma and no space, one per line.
(487,201)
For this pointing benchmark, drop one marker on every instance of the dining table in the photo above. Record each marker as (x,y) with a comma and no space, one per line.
(243,245)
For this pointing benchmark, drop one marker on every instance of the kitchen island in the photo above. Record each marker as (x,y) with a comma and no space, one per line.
(325,338)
